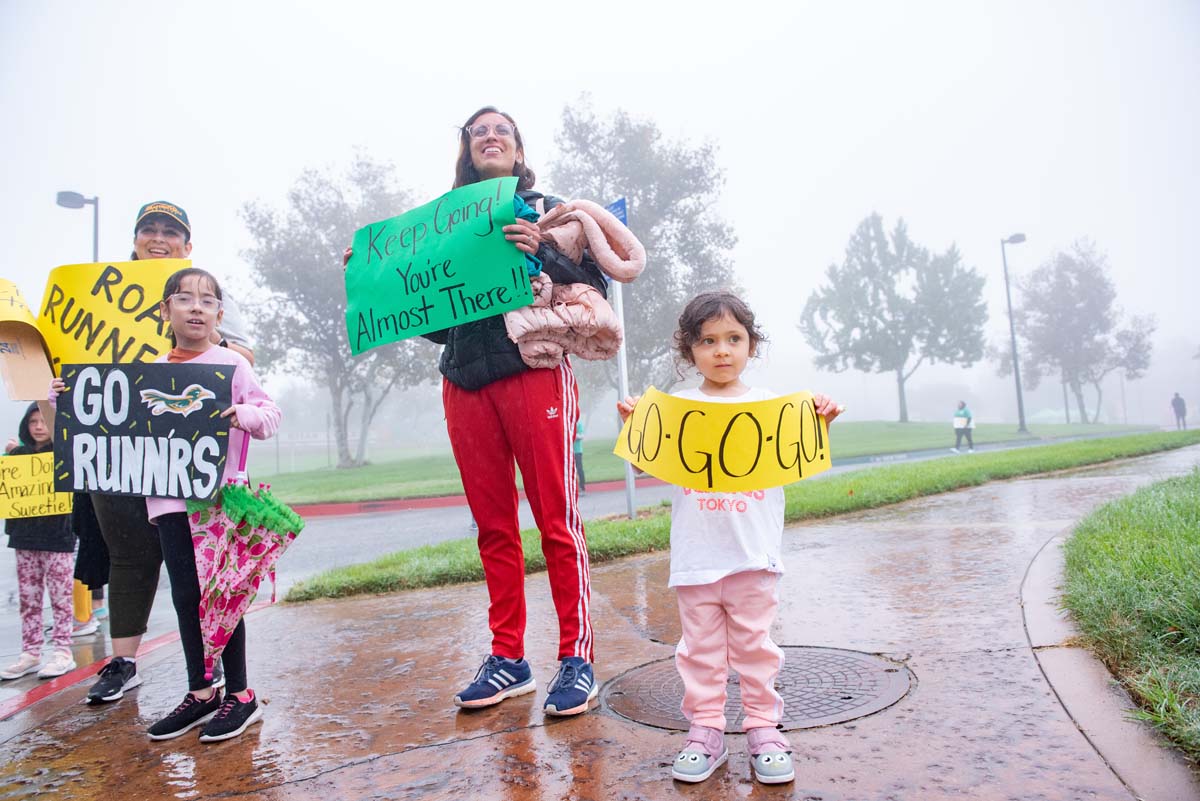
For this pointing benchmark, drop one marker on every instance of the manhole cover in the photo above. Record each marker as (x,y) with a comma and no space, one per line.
(819,686)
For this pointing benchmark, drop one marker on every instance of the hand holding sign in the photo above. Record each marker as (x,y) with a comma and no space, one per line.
(726,447)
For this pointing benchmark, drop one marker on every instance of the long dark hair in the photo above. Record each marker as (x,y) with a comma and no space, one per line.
(710,306)
(464,169)
(175,281)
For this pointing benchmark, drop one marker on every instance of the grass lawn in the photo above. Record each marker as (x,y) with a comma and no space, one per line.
(458,561)
(436,474)
(1131,583)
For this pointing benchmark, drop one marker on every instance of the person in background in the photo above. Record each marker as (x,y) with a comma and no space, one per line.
(579,457)
(1179,406)
(45,549)
(963,423)
(91,560)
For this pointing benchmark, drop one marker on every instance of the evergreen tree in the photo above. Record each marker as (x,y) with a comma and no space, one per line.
(891,306)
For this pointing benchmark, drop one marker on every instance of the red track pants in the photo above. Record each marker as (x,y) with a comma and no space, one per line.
(531,417)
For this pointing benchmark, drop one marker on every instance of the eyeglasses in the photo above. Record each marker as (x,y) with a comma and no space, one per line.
(481,130)
(207,302)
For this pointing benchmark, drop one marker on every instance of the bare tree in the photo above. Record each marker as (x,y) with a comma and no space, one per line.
(1071,326)
(671,189)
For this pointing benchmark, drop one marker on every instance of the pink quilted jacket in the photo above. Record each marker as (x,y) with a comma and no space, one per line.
(575,318)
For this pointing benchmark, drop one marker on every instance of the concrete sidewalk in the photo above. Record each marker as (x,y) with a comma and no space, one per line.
(360,689)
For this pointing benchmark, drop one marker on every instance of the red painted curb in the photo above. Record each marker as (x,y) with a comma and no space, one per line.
(49,687)
(437,502)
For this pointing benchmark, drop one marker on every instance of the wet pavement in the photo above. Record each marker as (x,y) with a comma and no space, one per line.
(360,689)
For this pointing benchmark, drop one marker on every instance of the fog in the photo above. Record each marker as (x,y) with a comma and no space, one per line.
(971,121)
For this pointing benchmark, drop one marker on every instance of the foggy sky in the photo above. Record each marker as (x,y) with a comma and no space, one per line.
(971,121)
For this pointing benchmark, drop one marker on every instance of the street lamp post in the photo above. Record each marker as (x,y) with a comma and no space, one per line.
(1015,239)
(74,200)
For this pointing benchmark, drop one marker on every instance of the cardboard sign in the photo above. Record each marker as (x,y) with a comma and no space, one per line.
(24,363)
(440,265)
(27,487)
(726,447)
(143,429)
(106,313)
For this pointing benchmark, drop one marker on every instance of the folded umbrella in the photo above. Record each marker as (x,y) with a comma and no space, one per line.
(238,539)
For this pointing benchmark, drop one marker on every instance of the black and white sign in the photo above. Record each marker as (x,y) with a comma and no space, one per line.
(143,429)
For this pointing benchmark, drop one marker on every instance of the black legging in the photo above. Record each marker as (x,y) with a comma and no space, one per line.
(134,556)
(180,559)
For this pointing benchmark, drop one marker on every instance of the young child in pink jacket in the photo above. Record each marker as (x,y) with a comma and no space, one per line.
(725,564)
(193,309)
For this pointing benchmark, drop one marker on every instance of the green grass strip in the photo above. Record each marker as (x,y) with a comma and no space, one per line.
(458,561)
(1133,584)
(405,474)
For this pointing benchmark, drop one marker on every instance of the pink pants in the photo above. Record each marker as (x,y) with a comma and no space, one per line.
(727,625)
(37,573)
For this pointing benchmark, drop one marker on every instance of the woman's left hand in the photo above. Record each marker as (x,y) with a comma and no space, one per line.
(232,412)
(827,408)
(525,235)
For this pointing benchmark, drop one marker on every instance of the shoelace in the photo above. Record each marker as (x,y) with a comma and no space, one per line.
(187,702)
(489,666)
(227,706)
(565,677)
(109,669)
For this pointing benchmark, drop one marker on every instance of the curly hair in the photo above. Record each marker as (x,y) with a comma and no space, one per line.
(711,306)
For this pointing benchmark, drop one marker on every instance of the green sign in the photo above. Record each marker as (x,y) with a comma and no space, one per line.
(440,265)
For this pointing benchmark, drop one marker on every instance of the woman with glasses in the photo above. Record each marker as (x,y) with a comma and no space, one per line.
(499,410)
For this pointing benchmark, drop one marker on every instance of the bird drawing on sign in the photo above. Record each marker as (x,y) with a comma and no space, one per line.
(184,403)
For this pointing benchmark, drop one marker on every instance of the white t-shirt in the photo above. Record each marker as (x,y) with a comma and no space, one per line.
(717,534)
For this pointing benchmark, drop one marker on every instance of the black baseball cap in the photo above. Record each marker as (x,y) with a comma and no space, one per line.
(166,208)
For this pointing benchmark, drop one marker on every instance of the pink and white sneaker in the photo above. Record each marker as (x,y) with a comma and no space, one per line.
(703,752)
(771,755)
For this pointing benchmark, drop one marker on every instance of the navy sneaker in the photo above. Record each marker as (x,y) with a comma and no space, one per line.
(497,679)
(574,686)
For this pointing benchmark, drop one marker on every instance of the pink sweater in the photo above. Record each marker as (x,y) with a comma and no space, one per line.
(257,413)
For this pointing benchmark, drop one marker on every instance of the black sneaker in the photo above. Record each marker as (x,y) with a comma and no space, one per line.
(187,716)
(116,677)
(232,719)
(218,680)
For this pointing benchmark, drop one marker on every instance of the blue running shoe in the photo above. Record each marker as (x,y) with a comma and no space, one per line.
(497,679)
(574,686)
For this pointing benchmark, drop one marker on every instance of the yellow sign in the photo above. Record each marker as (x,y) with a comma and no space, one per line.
(27,487)
(106,313)
(23,362)
(12,306)
(726,447)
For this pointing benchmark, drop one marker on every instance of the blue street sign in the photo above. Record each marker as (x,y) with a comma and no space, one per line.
(617,207)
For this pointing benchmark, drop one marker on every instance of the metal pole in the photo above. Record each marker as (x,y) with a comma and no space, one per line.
(623,391)
(95,229)
(1066,403)
(1012,333)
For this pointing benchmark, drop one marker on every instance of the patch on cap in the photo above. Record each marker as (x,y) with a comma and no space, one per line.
(163,207)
